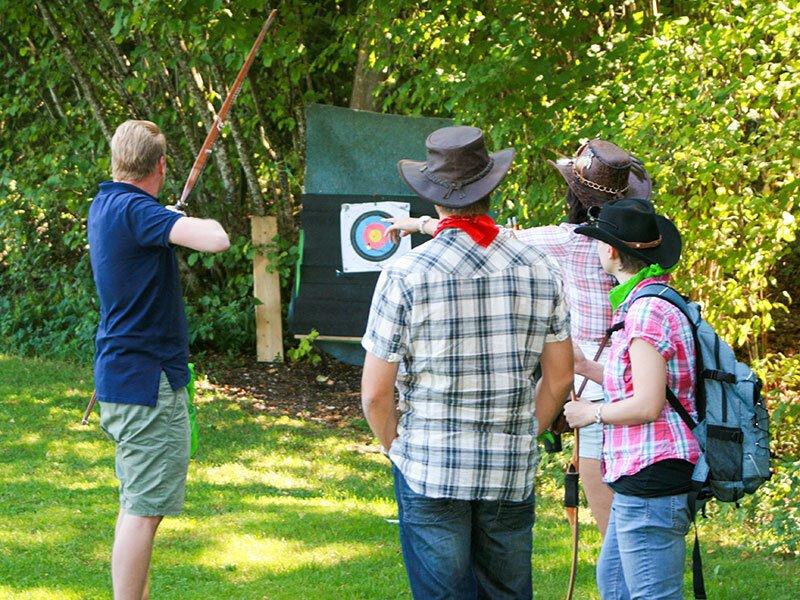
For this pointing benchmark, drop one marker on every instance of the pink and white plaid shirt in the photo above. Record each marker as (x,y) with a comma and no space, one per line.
(586,284)
(627,449)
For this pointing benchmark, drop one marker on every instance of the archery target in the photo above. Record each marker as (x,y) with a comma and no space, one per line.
(365,246)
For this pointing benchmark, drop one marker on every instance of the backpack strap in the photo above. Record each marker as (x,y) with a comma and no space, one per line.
(698,581)
(678,408)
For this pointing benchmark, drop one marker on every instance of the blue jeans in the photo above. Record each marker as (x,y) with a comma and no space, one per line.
(644,549)
(465,549)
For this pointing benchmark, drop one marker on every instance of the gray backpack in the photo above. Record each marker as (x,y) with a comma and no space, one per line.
(732,425)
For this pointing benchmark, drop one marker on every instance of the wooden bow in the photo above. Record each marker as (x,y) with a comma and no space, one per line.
(572,481)
(213,134)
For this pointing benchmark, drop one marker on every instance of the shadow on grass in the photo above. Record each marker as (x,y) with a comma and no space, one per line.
(283,551)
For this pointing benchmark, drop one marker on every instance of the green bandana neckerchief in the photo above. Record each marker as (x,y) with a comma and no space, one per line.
(620,292)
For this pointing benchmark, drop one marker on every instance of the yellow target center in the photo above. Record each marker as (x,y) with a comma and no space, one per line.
(375,236)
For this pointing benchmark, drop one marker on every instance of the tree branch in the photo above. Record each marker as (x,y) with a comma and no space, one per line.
(88,92)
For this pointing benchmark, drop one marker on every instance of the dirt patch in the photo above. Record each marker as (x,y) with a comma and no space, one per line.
(327,393)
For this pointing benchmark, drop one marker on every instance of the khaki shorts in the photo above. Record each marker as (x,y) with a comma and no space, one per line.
(152,451)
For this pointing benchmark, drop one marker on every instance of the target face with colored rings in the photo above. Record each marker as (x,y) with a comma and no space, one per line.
(368,236)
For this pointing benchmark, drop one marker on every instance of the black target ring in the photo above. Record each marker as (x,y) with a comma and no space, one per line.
(367,226)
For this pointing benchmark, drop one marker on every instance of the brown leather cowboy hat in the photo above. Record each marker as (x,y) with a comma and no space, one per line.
(602,171)
(458,170)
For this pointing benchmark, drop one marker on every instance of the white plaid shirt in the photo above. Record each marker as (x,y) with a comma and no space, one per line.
(586,284)
(468,326)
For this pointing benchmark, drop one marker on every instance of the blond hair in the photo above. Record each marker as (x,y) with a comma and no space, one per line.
(136,149)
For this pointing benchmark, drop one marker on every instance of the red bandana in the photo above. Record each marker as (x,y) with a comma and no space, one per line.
(482,229)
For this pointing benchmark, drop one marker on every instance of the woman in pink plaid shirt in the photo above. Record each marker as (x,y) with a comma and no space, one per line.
(599,172)
(648,451)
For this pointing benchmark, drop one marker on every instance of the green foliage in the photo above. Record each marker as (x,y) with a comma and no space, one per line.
(306,351)
(781,375)
(282,255)
(704,94)
(221,314)
(774,512)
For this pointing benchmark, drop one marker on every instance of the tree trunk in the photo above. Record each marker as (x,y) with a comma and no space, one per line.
(278,185)
(57,104)
(116,74)
(88,92)
(365,81)
(121,61)
(241,145)
(220,155)
(262,120)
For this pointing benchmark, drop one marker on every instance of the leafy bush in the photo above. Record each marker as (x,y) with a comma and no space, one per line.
(306,351)
(774,512)
(718,135)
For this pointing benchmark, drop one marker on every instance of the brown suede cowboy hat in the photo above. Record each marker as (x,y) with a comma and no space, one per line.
(632,226)
(458,170)
(602,171)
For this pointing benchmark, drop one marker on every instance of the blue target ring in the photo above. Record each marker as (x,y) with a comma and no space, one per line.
(367,236)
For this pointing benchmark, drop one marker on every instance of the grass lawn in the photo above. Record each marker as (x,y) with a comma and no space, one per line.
(276,508)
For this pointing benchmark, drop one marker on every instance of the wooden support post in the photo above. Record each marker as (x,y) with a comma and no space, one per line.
(267,289)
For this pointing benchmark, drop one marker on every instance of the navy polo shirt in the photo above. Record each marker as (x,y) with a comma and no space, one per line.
(142,328)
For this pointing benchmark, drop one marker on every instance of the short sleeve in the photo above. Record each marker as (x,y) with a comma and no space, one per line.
(559,325)
(151,223)
(550,239)
(655,321)
(387,329)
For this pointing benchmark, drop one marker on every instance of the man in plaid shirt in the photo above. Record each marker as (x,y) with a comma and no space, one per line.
(459,325)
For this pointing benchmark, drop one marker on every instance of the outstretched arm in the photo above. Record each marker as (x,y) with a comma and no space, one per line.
(203,235)
(403,226)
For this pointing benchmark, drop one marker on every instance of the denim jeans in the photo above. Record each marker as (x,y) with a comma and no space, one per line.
(465,549)
(644,549)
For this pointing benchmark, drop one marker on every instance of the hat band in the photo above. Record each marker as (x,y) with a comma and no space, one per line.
(640,245)
(459,183)
(597,186)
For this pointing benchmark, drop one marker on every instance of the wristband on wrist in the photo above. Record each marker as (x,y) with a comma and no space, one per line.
(598,414)
(423,220)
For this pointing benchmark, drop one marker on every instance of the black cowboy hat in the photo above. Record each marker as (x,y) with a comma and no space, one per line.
(632,226)
(458,170)
(601,171)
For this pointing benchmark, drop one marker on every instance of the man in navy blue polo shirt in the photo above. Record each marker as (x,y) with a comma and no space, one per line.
(142,345)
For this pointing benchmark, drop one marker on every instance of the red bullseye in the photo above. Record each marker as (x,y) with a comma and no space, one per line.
(375,236)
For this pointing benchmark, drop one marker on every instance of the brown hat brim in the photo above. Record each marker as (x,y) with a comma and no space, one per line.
(637,187)
(414,178)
